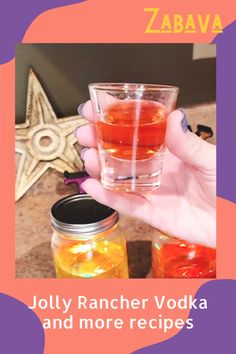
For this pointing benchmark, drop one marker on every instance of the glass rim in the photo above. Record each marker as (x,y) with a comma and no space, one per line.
(131,86)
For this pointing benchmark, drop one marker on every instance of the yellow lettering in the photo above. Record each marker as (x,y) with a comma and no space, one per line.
(217,25)
(203,25)
(149,28)
(178,24)
(190,25)
(166,25)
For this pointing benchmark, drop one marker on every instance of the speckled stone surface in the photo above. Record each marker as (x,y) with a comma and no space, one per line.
(33,228)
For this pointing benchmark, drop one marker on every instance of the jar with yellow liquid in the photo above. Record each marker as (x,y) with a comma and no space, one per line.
(87,241)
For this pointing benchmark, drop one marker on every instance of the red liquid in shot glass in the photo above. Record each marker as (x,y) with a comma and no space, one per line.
(132,129)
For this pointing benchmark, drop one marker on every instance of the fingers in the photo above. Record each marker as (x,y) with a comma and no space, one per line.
(86,135)
(92,163)
(188,146)
(180,141)
(125,203)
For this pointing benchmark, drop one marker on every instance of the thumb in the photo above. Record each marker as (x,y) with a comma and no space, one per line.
(186,145)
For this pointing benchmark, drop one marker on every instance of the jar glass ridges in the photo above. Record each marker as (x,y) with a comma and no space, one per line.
(87,241)
(175,258)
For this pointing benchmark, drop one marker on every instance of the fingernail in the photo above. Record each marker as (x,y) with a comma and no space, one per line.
(184,122)
(82,153)
(76,131)
(80,109)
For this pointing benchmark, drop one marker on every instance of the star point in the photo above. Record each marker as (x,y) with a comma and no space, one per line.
(44,141)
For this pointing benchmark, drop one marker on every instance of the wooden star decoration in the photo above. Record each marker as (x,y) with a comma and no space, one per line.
(44,141)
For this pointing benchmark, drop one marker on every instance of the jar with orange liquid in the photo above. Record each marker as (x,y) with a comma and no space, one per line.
(175,258)
(87,241)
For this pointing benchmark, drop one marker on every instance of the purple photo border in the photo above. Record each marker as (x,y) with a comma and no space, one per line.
(226,113)
(15,18)
(213,329)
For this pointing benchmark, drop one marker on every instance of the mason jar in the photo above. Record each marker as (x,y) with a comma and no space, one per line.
(175,258)
(87,241)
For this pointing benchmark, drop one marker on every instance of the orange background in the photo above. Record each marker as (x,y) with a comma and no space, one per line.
(101,21)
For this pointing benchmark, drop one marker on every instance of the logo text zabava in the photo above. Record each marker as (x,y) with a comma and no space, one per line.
(177,23)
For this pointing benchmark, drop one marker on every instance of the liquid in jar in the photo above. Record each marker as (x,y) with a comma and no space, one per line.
(182,259)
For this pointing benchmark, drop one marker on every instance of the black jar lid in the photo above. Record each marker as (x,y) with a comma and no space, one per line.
(81,215)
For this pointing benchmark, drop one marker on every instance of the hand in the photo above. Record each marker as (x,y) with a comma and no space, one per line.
(184,205)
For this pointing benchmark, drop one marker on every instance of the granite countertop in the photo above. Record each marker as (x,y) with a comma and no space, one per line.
(33,228)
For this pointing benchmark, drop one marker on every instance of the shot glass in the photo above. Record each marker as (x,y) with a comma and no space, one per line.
(130,122)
